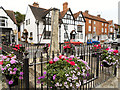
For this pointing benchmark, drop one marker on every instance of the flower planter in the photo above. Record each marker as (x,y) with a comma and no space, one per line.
(15,82)
(105,64)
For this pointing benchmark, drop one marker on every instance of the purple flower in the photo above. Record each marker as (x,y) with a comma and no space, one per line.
(54,77)
(72,56)
(56,59)
(38,82)
(11,72)
(14,72)
(21,73)
(15,69)
(44,72)
(13,61)
(43,76)
(78,67)
(10,82)
(9,69)
(88,74)
(2,69)
(39,77)
(4,57)
(20,77)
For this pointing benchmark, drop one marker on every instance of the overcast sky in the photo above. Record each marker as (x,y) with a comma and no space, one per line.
(107,8)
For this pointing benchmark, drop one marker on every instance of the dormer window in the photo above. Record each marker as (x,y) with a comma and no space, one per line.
(68,16)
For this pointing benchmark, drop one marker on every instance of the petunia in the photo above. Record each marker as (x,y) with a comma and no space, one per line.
(1,62)
(15,69)
(14,72)
(10,82)
(20,77)
(44,72)
(72,63)
(51,62)
(13,61)
(56,59)
(4,57)
(0,48)
(21,73)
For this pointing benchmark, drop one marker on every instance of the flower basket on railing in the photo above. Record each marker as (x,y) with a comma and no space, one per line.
(95,50)
(65,72)
(109,57)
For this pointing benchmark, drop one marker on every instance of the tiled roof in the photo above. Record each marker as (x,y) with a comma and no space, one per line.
(11,15)
(77,14)
(62,13)
(38,12)
(94,17)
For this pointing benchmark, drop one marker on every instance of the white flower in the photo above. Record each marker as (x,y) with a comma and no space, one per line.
(83,70)
(68,79)
(75,68)
(79,82)
(74,71)
(75,64)
(70,84)
(67,86)
(60,85)
(78,73)
(84,81)
(107,57)
(7,65)
(66,75)
(65,83)
(77,85)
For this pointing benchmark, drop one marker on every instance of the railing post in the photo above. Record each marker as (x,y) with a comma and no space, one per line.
(26,71)
(97,69)
(115,69)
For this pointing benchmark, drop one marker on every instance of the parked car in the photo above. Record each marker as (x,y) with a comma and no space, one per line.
(92,41)
(108,41)
(74,42)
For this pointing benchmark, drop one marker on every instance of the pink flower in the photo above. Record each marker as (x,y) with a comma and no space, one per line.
(115,51)
(4,57)
(15,69)
(70,58)
(13,61)
(56,59)
(51,62)
(20,77)
(10,82)
(0,48)
(15,49)
(95,45)
(11,72)
(1,62)
(14,72)
(21,73)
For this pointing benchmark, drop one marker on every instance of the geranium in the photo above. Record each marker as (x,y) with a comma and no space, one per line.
(109,57)
(11,68)
(96,48)
(65,72)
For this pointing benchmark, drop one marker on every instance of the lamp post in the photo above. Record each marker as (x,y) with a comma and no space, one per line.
(37,22)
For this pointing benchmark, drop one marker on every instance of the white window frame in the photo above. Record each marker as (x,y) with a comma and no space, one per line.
(89,28)
(102,30)
(90,21)
(94,29)
(3,22)
(105,30)
(111,29)
(102,24)
(94,22)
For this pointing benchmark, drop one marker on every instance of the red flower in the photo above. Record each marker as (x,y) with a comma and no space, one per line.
(60,56)
(99,45)
(20,45)
(95,45)
(0,48)
(15,49)
(64,47)
(115,51)
(70,58)
(51,62)
(48,45)
(107,49)
(68,61)
(18,48)
(9,57)
(1,62)
(16,45)
(72,63)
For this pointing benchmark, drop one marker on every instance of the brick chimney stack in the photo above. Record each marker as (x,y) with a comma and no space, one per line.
(86,11)
(35,4)
(98,15)
(65,6)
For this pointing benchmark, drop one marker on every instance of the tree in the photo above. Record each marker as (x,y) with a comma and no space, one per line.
(19,18)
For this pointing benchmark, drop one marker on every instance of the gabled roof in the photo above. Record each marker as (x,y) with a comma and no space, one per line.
(62,13)
(38,12)
(77,14)
(11,15)
(94,17)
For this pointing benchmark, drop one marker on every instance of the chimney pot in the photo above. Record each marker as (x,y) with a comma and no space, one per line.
(86,11)
(65,6)
(98,15)
(35,4)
